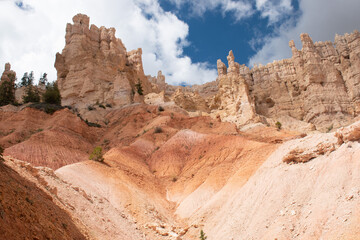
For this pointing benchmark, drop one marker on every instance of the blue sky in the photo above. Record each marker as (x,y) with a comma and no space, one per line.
(213,34)
(183,38)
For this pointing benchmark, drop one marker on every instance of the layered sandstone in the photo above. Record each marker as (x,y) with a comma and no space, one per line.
(320,84)
(95,67)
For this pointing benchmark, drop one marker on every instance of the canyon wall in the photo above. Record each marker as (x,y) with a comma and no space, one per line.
(94,67)
(318,88)
(320,84)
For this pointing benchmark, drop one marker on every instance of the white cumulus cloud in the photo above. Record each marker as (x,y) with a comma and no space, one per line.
(34,32)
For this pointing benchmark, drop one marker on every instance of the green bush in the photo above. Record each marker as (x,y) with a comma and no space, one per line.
(278,125)
(52,94)
(158,130)
(97,154)
(202,235)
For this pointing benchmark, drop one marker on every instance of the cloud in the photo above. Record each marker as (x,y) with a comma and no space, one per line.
(238,9)
(274,10)
(35,29)
(322,19)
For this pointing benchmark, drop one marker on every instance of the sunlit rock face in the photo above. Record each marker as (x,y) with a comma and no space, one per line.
(94,67)
(320,84)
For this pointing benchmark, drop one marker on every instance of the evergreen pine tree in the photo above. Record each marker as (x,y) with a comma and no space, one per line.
(7,91)
(52,94)
(31,95)
(43,80)
(24,80)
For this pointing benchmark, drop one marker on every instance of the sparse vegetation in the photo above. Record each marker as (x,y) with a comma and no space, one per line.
(91,124)
(90,108)
(158,130)
(1,153)
(46,107)
(97,154)
(278,125)
(161,109)
(139,88)
(202,235)
(102,106)
(108,105)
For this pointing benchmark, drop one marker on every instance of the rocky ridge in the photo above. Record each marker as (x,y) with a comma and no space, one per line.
(299,89)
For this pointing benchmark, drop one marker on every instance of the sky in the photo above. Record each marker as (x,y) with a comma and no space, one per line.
(183,38)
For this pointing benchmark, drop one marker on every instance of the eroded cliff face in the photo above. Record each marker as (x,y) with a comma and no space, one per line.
(95,67)
(318,87)
(233,102)
(320,84)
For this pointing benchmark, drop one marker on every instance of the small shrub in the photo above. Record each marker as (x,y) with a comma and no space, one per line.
(158,130)
(90,108)
(52,94)
(139,88)
(161,109)
(106,141)
(29,200)
(174,179)
(91,124)
(108,105)
(97,154)
(330,128)
(46,107)
(202,235)
(102,106)
(1,153)
(278,125)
